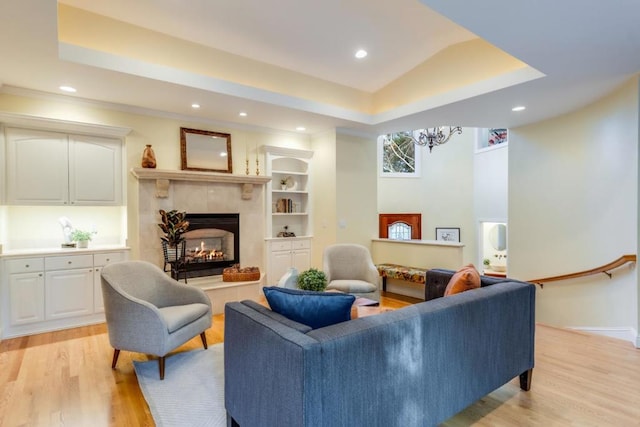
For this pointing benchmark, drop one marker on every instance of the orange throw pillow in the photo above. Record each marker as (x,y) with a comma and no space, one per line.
(464,279)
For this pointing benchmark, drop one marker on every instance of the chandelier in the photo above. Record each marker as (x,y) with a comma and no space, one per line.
(429,137)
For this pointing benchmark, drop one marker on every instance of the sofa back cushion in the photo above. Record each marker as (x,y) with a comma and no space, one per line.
(314,309)
(464,279)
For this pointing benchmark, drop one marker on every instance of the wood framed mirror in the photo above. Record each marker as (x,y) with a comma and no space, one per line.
(203,150)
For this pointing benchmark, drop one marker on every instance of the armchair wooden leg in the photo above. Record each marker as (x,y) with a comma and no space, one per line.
(161,366)
(203,337)
(116,353)
(525,379)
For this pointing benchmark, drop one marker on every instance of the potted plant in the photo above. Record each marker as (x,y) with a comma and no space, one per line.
(173,225)
(82,237)
(312,280)
(284,182)
(486,262)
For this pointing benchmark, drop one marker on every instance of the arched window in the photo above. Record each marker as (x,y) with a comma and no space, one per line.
(400,226)
(399,231)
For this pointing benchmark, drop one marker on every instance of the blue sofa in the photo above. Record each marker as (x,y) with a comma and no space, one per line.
(416,366)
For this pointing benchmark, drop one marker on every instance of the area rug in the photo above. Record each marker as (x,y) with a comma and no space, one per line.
(192,392)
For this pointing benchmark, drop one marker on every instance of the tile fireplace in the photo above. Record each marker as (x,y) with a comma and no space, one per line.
(212,243)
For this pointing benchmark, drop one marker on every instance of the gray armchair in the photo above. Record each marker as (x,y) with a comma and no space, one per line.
(149,312)
(349,268)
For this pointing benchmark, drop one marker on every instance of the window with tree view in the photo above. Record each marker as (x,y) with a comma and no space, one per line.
(399,155)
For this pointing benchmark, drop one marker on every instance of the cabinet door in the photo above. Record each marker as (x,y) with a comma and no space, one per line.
(98,301)
(301,259)
(37,168)
(69,293)
(100,260)
(95,170)
(26,298)
(279,263)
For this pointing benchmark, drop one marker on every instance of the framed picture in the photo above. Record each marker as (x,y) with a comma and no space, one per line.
(203,150)
(448,234)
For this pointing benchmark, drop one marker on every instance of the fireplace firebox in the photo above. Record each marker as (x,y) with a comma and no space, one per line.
(212,243)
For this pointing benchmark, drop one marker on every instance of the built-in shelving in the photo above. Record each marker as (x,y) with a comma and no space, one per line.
(289,225)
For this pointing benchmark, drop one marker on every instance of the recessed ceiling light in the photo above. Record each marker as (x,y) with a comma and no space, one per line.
(301,128)
(196,106)
(361,53)
(68,89)
(519,108)
(243,114)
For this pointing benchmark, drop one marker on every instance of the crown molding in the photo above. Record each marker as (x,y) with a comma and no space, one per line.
(45,123)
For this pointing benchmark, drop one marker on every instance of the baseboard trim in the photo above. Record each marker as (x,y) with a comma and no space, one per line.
(626,334)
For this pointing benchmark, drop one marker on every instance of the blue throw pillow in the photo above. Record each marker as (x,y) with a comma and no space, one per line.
(314,309)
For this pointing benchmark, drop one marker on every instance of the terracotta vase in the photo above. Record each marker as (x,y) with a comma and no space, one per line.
(148,158)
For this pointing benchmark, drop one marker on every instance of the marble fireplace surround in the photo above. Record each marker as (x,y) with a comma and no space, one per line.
(201,192)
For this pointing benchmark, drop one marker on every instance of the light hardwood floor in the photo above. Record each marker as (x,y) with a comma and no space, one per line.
(65,379)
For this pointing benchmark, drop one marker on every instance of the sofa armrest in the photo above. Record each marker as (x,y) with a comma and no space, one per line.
(269,368)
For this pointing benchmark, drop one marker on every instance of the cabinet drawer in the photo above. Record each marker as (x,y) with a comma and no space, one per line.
(301,244)
(281,246)
(25,265)
(68,262)
(107,258)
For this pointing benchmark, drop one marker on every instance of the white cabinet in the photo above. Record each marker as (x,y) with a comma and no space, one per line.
(99,261)
(286,253)
(37,167)
(68,286)
(53,292)
(26,290)
(95,170)
(50,168)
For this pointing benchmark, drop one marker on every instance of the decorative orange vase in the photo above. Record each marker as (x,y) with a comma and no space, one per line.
(148,158)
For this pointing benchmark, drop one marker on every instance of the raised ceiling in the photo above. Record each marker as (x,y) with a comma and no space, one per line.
(289,63)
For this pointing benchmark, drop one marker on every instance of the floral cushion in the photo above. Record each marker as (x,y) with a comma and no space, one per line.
(402,272)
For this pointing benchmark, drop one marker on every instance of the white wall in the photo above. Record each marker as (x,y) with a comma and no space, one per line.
(356,189)
(573,198)
(490,184)
(443,194)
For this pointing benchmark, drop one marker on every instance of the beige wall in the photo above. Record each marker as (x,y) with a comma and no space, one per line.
(357,192)
(573,198)
(443,194)
(323,193)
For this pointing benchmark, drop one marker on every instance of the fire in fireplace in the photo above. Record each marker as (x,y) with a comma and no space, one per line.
(212,243)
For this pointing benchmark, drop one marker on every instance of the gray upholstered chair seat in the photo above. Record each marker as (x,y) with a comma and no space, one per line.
(180,315)
(352,286)
(149,312)
(349,269)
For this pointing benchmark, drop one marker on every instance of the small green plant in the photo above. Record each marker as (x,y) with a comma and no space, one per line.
(312,280)
(486,262)
(80,235)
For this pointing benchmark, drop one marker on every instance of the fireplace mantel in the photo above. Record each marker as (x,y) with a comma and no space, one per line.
(164,177)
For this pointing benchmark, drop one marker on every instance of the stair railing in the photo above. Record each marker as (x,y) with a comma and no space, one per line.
(624,259)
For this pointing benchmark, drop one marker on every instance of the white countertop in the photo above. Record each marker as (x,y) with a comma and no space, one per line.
(421,242)
(62,251)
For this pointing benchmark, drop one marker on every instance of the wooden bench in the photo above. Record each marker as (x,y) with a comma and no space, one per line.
(401,272)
